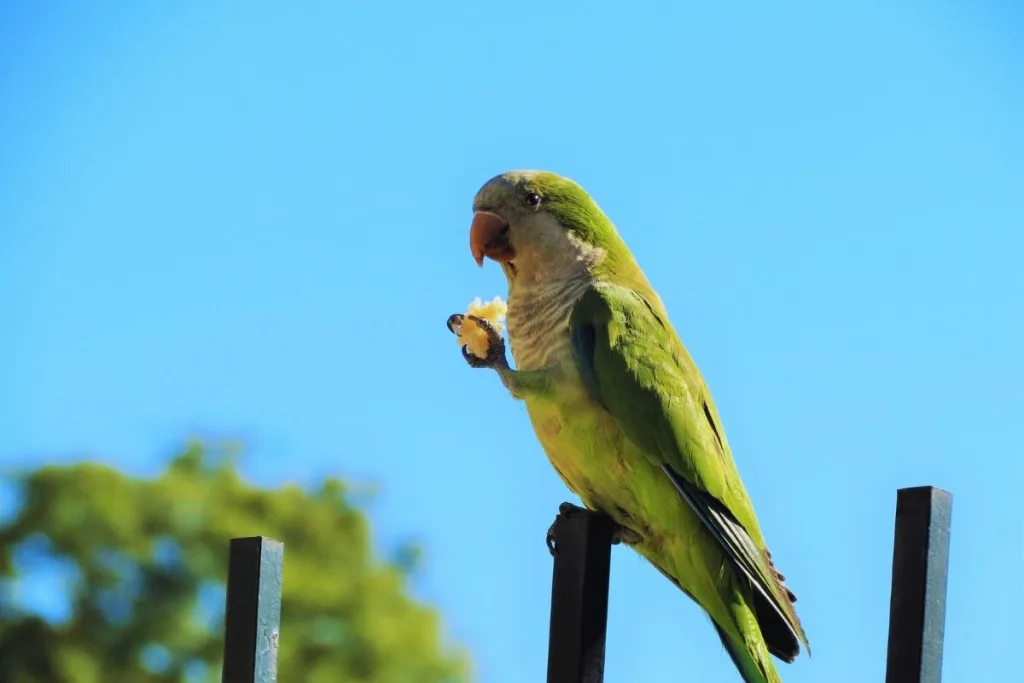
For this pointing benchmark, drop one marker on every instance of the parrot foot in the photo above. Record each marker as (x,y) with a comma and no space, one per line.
(565,509)
(495,344)
(619,535)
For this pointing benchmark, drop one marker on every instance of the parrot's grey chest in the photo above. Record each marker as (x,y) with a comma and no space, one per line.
(538,321)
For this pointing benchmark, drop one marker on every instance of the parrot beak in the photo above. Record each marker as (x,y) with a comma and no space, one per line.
(488,236)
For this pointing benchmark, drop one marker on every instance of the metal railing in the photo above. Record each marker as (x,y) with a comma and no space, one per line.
(579,597)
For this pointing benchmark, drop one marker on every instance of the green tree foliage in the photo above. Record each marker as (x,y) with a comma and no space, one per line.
(148,560)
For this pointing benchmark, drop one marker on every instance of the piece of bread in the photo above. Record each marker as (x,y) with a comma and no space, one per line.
(472,335)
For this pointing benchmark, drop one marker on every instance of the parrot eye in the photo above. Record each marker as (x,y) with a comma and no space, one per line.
(533,199)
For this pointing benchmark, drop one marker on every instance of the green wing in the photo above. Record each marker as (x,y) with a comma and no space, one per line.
(634,364)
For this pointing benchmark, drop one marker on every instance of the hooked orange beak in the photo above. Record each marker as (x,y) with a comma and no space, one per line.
(488,236)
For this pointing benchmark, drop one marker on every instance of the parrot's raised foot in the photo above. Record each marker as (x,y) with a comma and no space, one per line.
(619,535)
(495,357)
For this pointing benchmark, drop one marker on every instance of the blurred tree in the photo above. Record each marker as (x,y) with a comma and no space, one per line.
(146,562)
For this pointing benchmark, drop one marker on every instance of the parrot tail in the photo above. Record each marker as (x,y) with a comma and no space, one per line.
(751,670)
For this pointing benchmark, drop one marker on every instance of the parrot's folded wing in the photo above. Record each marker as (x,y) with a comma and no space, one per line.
(633,363)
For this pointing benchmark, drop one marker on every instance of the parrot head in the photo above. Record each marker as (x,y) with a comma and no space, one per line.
(541,226)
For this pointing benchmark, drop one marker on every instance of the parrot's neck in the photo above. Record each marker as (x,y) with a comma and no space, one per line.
(551,270)
(538,318)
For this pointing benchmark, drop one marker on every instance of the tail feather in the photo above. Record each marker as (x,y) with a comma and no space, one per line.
(751,671)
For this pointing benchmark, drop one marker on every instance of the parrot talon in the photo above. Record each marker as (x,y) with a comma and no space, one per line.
(453,320)
(620,534)
(493,336)
(474,360)
(568,509)
(495,357)
(565,509)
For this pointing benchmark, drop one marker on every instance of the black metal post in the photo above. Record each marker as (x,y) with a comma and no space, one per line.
(917,607)
(253,613)
(579,597)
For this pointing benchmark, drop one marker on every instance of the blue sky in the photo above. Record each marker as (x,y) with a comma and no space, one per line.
(251,220)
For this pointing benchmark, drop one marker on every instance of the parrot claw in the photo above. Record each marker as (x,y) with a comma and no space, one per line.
(495,357)
(453,320)
(621,534)
(565,509)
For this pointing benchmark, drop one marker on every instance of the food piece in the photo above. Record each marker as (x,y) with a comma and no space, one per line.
(472,335)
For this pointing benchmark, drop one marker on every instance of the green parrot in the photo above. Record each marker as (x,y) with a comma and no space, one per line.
(622,411)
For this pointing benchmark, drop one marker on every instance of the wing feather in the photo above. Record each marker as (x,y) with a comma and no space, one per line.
(633,363)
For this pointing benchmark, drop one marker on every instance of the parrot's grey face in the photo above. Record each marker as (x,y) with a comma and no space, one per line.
(512,226)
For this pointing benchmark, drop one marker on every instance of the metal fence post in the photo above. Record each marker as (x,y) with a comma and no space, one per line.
(917,607)
(253,610)
(579,597)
